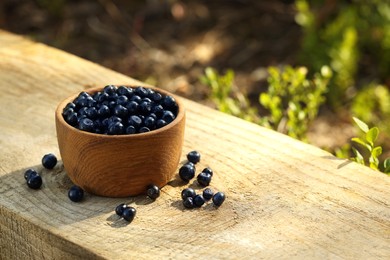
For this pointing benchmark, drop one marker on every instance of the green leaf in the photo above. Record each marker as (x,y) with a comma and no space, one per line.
(359,157)
(376,152)
(361,142)
(372,135)
(386,165)
(363,126)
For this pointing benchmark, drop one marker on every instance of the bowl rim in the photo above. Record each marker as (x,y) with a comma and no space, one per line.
(179,117)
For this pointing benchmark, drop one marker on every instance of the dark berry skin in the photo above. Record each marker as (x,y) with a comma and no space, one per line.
(135,121)
(131,130)
(168,116)
(160,123)
(121,111)
(193,156)
(207,194)
(49,161)
(129,213)
(115,128)
(208,170)
(103,111)
(34,182)
(187,172)
(188,203)
(86,124)
(119,209)
(219,198)
(204,179)
(29,173)
(132,107)
(198,201)
(75,193)
(153,192)
(188,192)
(150,122)
(144,129)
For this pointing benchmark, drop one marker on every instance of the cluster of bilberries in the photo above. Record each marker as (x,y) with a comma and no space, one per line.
(32,177)
(126,212)
(34,180)
(188,195)
(121,110)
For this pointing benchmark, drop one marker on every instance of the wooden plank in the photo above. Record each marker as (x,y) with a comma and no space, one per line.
(285,199)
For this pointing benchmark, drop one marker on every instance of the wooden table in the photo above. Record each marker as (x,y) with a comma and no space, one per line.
(285,198)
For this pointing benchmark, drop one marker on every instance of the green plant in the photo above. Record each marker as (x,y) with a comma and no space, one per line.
(293,100)
(226,96)
(368,143)
(338,33)
(372,105)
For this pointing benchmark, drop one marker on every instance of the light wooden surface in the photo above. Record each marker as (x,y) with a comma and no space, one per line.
(285,199)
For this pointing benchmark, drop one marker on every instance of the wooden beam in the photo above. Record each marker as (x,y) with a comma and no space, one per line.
(285,198)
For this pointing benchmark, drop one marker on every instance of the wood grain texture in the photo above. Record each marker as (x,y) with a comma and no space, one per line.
(120,165)
(285,199)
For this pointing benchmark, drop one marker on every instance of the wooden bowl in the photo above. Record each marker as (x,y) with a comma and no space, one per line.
(120,165)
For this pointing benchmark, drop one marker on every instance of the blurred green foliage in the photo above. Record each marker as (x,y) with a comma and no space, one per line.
(293,100)
(226,96)
(345,35)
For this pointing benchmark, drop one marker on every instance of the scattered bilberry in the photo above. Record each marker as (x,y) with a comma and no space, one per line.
(188,192)
(153,191)
(75,193)
(119,209)
(29,173)
(218,198)
(188,203)
(49,161)
(193,156)
(204,179)
(128,213)
(208,170)
(187,172)
(34,182)
(198,200)
(207,194)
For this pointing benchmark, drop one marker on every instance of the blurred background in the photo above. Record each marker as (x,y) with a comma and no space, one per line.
(304,68)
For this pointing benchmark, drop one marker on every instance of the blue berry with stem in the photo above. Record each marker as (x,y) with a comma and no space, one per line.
(218,198)
(153,191)
(49,161)
(76,193)
(193,156)
(34,182)
(129,213)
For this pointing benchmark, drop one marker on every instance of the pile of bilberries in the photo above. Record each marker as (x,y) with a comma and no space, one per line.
(34,180)
(188,195)
(32,177)
(121,110)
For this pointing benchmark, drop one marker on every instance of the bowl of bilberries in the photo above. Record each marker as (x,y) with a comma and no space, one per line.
(115,141)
